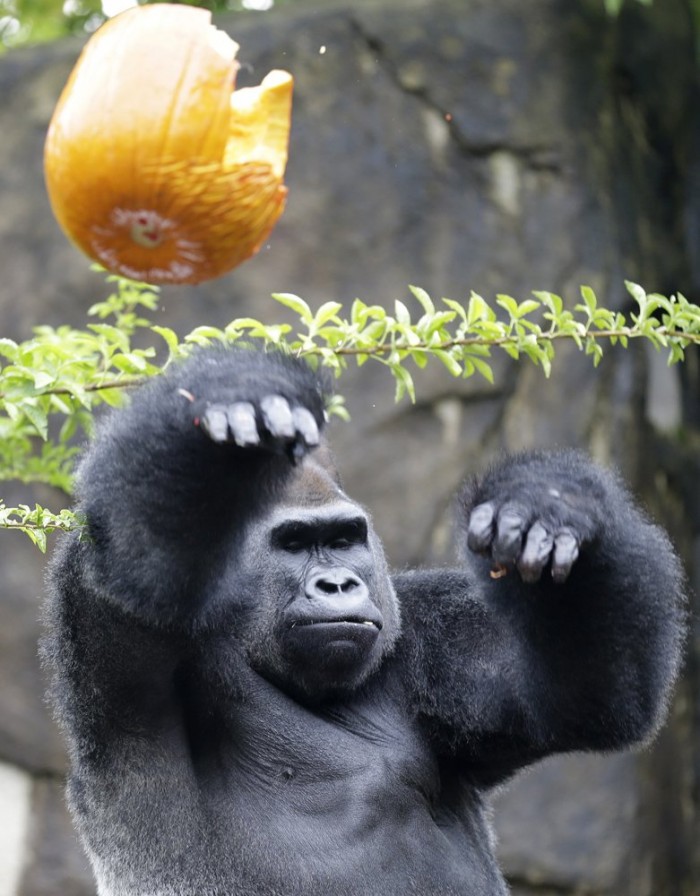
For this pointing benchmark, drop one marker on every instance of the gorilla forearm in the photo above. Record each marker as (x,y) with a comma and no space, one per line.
(167,504)
(166,500)
(586,663)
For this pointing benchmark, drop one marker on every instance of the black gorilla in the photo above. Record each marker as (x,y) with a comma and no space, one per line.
(254,706)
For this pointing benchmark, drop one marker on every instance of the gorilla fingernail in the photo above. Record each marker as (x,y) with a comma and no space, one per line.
(215,424)
(241,420)
(306,426)
(277,416)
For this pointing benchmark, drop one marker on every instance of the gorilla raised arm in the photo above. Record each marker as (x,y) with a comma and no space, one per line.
(254,706)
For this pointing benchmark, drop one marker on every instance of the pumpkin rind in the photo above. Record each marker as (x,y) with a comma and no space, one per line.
(153,167)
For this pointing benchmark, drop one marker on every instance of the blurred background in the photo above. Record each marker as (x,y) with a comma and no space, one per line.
(494,145)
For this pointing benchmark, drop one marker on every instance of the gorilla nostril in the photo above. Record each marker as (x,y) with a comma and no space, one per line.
(349,585)
(334,583)
(328,587)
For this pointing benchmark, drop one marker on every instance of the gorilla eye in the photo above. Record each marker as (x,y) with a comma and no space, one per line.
(330,532)
(348,535)
(292,537)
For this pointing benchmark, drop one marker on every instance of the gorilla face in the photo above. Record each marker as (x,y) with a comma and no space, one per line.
(330,613)
(332,618)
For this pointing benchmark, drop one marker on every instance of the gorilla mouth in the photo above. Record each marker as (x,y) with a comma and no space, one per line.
(343,642)
(330,623)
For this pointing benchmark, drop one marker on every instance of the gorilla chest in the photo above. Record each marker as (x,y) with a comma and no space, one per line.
(343,763)
(344,801)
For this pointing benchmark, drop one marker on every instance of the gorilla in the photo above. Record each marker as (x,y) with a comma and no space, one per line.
(255,706)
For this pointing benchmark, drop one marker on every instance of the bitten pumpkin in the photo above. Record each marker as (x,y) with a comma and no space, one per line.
(155,166)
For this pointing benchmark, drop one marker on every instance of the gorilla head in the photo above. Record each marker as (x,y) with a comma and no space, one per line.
(314,570)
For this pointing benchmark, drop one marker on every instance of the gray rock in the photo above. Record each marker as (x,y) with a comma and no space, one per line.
(571,823)
(28,737)
(56,863)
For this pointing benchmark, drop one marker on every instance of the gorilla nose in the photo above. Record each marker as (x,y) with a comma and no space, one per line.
(335,583)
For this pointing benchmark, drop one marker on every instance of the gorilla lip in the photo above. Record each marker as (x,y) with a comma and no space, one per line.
(333,622)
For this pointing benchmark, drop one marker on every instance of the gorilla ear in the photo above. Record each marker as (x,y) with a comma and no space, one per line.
(315,481)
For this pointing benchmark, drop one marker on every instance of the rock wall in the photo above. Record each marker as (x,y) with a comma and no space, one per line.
(457,144)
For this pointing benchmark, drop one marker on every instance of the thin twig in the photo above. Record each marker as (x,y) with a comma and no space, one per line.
(467,341)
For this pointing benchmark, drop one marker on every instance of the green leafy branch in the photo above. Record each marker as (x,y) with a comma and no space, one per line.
(38,522)
(463,336)
(52,384)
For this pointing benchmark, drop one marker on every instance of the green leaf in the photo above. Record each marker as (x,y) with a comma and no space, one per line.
(131,363)
(336,408)
(170,337)
(404,383)
(422,296)
(115,398)
(61,404)
(296,304)
(38,418)
(373,333)
(437,322)
(204,336)
(676,354)
(275,333)
(589,298)
(550,300)
(459,310)
(450,362)
(8,349)
(403,315)
(112,334)
(420,358)
(528,307)
(43,379)
(37,536)
(477,309)
(509,304)
(637,293)
(482,367)
(326,312)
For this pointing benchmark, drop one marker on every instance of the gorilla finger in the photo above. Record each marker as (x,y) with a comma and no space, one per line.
(243,425)
(566,549)
(480,530)
(536,552)
(277,417)
(215,423)
(508,542)
(305,425)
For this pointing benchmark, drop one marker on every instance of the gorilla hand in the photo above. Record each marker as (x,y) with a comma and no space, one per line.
(272,424)
(513,539)
(537,515)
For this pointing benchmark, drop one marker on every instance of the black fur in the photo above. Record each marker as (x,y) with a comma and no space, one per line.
(223,746)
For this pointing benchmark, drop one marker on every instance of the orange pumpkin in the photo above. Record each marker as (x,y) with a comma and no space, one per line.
(154,167)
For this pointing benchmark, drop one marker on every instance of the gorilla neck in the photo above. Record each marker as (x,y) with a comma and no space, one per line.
(321,686)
